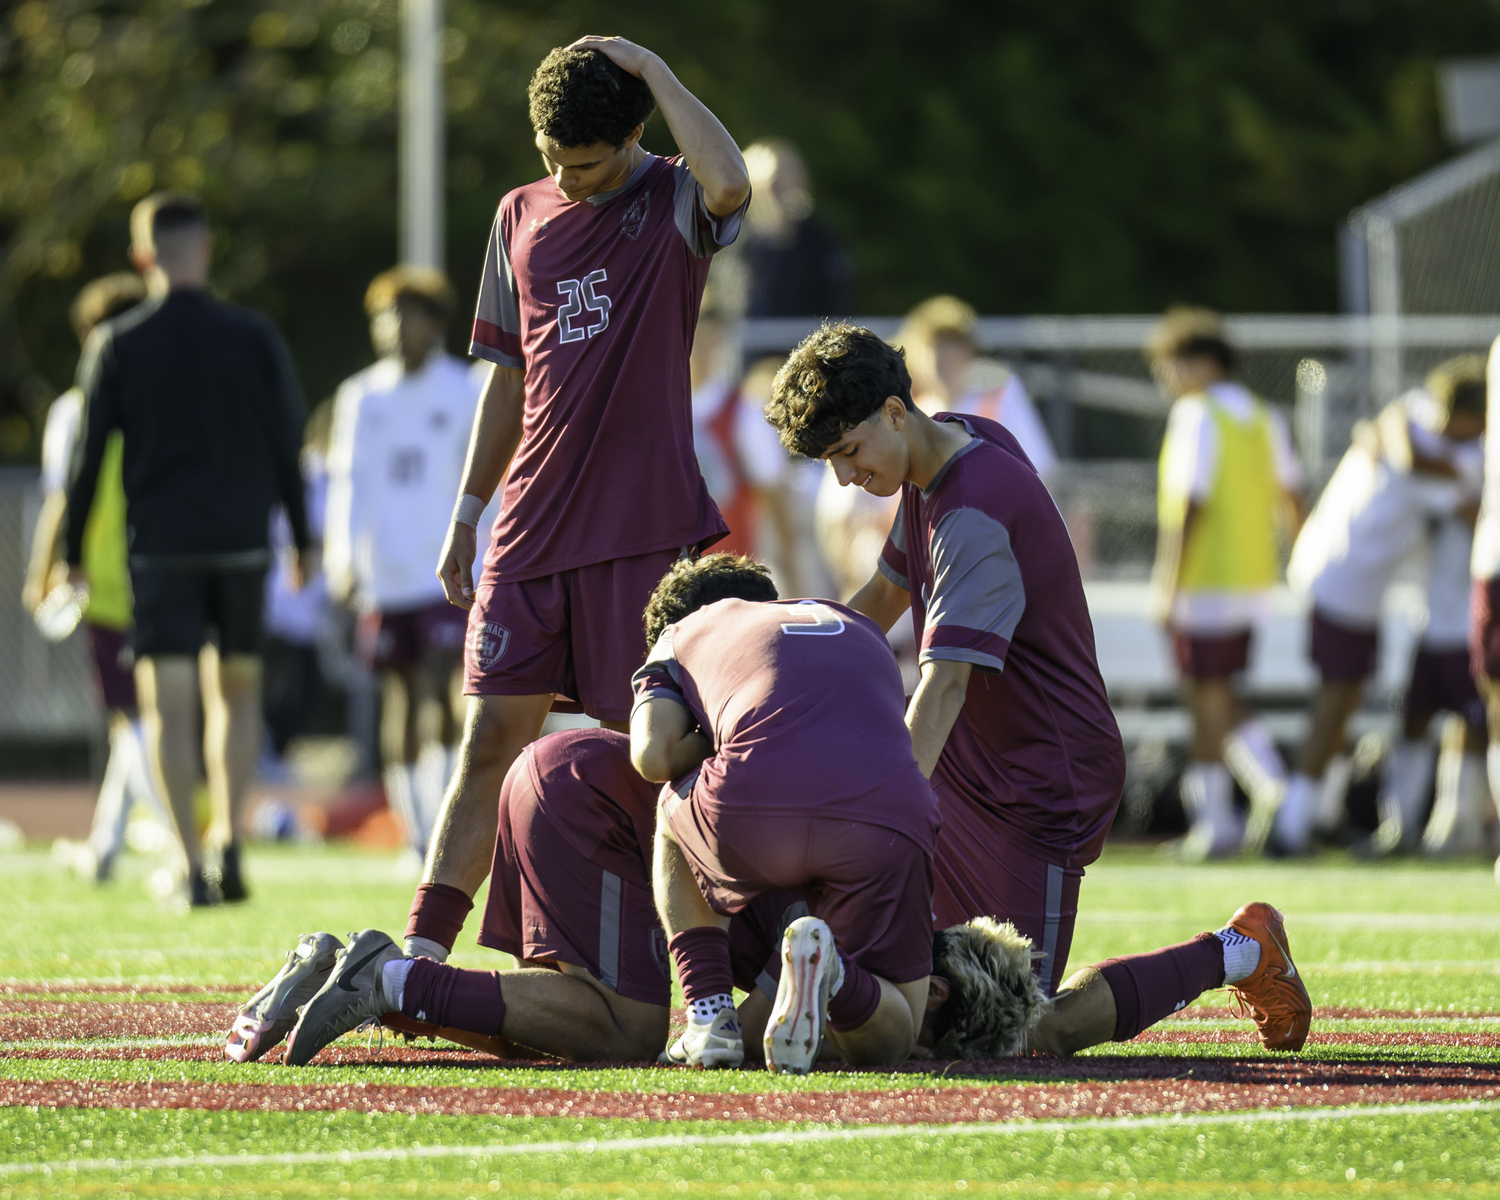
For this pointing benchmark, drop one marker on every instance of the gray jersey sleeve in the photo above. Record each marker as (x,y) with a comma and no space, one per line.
(704,233)
(661,675)
(497,315)
(978,595)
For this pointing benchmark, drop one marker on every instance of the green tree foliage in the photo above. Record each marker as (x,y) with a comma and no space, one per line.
(1031,156)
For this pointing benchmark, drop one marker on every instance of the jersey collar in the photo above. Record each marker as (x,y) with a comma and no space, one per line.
(635,177)
(936,480)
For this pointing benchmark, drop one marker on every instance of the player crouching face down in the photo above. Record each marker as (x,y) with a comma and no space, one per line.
(780,725)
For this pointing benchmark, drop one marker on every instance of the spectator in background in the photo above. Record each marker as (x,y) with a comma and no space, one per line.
(296,618)
(107,614)
(400,433)
(795,263)
(1227,471)
(1404,470)
(938,338)
(211,413)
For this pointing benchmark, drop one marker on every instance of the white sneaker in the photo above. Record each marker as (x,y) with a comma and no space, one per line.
(810,973)
(716,1043)
(272,1012)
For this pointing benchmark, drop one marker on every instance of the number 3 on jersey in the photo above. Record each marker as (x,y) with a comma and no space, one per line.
(825,621)
(580,295)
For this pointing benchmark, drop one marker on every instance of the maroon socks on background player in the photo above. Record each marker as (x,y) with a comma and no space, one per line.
(1148,987)
(703,969)
(437,914)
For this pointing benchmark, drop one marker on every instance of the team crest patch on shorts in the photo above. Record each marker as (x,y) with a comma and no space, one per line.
(659,953)
(490,641)
(634,218)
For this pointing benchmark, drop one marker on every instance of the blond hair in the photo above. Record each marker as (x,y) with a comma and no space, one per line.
(994,997)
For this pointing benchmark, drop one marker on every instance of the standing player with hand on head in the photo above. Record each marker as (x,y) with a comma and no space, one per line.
(587,305)
(1010,719)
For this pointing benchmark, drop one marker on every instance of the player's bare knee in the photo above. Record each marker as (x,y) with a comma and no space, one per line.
(1082,1014)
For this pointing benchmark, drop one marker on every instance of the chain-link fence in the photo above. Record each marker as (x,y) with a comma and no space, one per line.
(1429,247)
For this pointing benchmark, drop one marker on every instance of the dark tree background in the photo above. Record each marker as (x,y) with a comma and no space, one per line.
(1088,156)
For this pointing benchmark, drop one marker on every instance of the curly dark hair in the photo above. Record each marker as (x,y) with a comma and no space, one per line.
(693,583)
(994,998)
(580,97)
(839,376)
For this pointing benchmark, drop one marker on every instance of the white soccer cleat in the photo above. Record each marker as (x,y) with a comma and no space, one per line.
(272,1012)
(708,1045)
(810,973)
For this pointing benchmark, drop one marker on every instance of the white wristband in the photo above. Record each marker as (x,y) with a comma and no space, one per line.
(468,510)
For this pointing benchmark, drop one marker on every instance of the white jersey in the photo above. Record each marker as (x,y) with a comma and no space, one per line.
(1486,561)
(394,469)
(1452,544)
(1373,513)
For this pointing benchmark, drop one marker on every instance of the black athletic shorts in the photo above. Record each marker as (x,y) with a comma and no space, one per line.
(179,610)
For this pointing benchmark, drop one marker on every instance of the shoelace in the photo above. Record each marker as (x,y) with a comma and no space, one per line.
(369,1024)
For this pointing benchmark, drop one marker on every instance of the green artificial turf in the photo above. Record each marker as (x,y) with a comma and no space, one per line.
(1421,1153)
(1408,936)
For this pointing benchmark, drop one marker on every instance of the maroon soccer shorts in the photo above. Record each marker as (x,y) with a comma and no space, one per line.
(1342,653)
(388,640)
(577,634)
(872,885)
(1216,656)
(984,869)
(114,666)
(549,904)
(1440,682)
(1484,629)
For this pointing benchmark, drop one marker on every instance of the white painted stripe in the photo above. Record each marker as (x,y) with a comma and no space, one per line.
(789,1137)
(112,1043)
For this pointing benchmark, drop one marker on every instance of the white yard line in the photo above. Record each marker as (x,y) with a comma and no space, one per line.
(790,1137)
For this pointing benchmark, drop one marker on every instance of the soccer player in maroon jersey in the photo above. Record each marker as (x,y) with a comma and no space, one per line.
(1010,719)
(780,727)
(587,304)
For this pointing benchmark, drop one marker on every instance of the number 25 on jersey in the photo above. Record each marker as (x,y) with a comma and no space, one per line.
(581,294)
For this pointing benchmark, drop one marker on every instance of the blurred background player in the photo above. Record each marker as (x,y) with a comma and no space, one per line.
(587,304)
(790,261)
(1402,472)
(1227,479)
(207,401)
(947,375)
(107,616)
(400,433)
(1484,608)
(741,458)
(296,617)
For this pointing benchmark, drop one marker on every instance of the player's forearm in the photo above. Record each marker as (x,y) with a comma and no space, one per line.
(496,433)
(44,546)
(664,742)
(934,708)
(881,600)
(711,155)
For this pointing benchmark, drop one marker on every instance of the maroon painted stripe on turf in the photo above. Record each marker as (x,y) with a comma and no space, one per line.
(894,1107)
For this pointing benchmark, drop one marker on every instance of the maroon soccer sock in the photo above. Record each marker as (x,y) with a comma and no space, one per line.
(856,1001)
(450,996)
(437,914)
(1148,987)
(703,965)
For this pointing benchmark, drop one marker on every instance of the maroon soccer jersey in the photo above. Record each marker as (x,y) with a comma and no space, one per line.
(586,787)
(597,301)
(803,702)
(994,582)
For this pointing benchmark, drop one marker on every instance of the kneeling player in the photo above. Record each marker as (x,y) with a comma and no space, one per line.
(1011,719)
(781,724)
(570,896)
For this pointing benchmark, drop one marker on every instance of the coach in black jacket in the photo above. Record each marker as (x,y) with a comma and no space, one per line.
(211,414)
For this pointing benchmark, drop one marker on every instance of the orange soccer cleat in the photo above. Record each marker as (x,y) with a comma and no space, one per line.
(1273,994)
